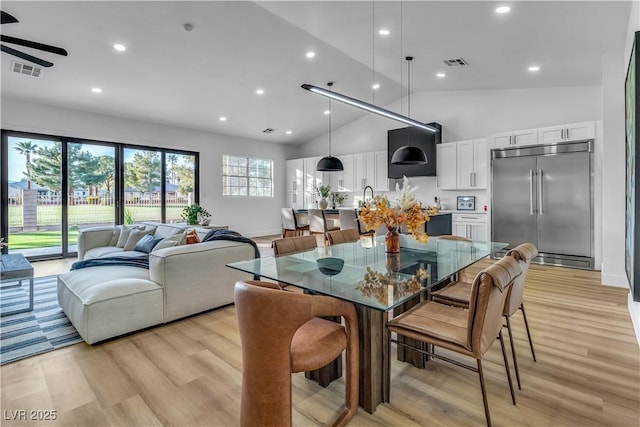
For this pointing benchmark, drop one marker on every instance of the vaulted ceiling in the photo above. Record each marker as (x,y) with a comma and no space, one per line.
(192,78)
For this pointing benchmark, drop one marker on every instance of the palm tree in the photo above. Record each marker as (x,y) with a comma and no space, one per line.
(26,148)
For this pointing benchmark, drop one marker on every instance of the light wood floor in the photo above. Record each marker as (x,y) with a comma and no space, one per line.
(188,373)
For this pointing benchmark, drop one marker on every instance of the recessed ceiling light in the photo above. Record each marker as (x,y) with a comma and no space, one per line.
(534,68)
(311,54)
(441,75)
(384,32)
(260,91)
(375,86)
(327,112)
(119,47)
(288,132)
(223,119)
(96,90)
(503,9)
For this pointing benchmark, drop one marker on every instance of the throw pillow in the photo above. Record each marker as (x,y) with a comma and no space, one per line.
(147,243)
(134,237)
(125,230)
(192,237)
(165,243)
(115,235)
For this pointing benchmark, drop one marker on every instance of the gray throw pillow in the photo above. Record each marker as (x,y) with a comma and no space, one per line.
(147,243)
(134,237)
(165,243)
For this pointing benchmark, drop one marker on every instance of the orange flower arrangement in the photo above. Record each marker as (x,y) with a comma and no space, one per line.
(408,211)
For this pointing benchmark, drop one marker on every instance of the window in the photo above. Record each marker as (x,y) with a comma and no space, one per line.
(242,176)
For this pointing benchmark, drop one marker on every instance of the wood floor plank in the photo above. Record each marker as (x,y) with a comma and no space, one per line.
(188,372)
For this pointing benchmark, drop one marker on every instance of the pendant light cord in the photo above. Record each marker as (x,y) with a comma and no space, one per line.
(401,55)
(373,51)
(409,59)
(330,84)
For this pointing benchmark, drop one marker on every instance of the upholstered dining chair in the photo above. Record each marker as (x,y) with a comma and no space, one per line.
(471,331)
(459,293)
(343,236)
(319,224)
(293,244)
(349,220)
(290,223)
(281,333)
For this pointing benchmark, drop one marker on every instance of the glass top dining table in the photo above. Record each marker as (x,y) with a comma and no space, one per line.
(364,274)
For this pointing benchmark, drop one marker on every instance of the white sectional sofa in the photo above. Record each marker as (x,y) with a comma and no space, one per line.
(106,301)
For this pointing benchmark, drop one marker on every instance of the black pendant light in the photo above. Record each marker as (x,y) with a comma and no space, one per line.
(329,163)
(409,154)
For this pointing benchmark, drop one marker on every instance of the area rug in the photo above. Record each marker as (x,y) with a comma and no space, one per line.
(44,329)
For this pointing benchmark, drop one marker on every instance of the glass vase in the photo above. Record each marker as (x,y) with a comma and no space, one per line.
(392,240)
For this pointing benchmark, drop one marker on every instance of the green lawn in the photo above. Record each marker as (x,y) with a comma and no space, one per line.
(40,239)
(85,214)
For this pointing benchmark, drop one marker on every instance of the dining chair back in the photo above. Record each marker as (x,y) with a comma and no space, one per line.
(343,236)
(318,223)
(281,333)
(348,219)
(290,223)
(293,244)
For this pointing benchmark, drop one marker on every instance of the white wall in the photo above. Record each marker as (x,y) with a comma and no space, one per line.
(634,25)
(249,216)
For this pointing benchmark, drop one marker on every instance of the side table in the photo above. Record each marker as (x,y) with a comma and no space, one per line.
(16,268)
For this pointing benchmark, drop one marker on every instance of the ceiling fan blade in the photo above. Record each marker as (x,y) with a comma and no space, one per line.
(7,18)
(33,45)
(25,56)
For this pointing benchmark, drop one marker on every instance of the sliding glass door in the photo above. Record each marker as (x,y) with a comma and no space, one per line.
(34,189)
(180,184)
(91,177)
(142,185)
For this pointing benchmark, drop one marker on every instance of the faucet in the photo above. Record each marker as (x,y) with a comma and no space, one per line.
(364,193)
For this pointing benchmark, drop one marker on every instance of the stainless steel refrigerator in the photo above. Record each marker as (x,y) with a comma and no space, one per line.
(544,195)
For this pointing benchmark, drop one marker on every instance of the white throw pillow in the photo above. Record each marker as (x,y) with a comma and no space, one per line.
(124,234)
(164,243)
(134,236)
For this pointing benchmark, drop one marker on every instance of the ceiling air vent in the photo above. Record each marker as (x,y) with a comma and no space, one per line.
(268,130)
(455,62)
(28,70)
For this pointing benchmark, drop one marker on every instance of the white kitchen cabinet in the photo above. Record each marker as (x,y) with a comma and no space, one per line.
(381,180)
(471,226)
(446,166)
(365,166)
(570,132)
(294,175)
(295,200)
(513,138)
(343,180)
(471,164)
(312,177)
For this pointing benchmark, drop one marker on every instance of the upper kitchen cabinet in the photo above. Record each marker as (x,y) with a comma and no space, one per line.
(446,163)
(381,182)
(312,177)
(472,164)
(343,180)
(370,169)
(510,139)
(295,175)
(570,132)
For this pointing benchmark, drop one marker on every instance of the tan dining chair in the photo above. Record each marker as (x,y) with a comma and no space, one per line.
(343,236)
(281,333)
(290,223)
(319,224)
(459,293)
(469,332)
(293,244)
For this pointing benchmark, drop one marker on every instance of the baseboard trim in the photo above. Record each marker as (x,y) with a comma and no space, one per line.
(264,233)
(634,311)
(616,280)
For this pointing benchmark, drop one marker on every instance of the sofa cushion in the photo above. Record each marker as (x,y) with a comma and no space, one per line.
(115,235)
(164,231)
(147,243)
(125,230)
(134,238)
(102,251)
(124,254)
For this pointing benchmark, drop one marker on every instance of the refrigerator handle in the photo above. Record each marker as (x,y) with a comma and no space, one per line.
(530,191)
(539,191)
